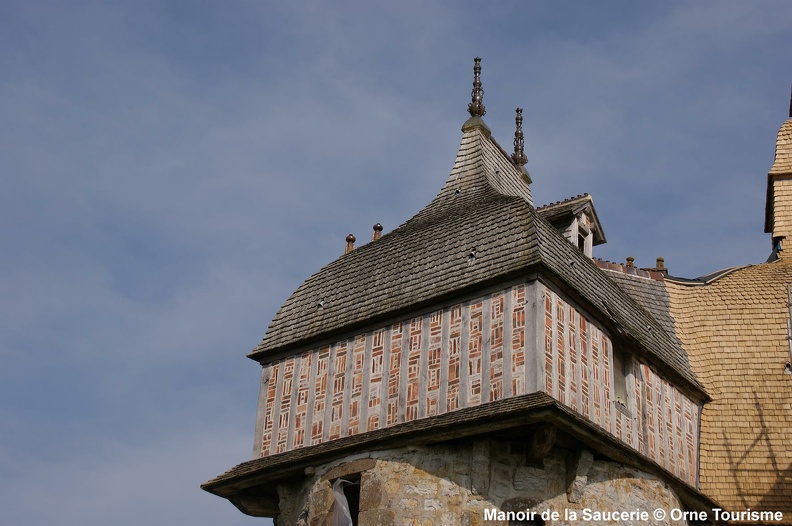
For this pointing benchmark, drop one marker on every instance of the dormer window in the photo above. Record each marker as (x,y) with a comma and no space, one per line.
(583,234)
(576,220)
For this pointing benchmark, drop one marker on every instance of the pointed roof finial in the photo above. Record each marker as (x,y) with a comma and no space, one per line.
(790,105)
(476,107)
(519,156)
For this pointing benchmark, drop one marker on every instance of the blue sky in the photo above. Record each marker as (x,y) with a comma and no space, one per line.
(172,171)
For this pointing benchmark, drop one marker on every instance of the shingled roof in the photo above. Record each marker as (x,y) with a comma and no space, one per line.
(735,329)
(480,229)
(782,165)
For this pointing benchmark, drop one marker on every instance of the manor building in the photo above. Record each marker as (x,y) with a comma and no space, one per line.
(477,359)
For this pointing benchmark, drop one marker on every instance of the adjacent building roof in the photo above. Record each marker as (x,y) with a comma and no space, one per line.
(735,331)
(783,155)
(782,166)
(480,229)
(733,324)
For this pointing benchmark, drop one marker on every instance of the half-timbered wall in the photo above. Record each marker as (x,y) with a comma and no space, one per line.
(658,420)
(468,354)
(460,356)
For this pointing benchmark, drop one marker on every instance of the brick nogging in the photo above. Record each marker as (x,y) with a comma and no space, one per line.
(659,421)
(468,354)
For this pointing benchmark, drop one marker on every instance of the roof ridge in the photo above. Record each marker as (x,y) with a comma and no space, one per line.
(584,195)
(626,269)
(569,265)
(712,277)
(484,184)
(481,166)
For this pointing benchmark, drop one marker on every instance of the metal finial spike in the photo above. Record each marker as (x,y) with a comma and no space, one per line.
(476,107)
(790,105)
(519,156)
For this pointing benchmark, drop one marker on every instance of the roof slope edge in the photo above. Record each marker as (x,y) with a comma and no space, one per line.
(483,204)
(631,319)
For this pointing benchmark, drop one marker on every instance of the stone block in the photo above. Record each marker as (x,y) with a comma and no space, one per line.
(350,468)
(500,450)
(451,493)
(432,505)
(288,500)
(407,504)
(320,500)
(470,518)
(480,475)
(376,518)
(440,467)
(461,466)
(500,485)
(422,487)
(530,480)
(462,480)
(370,492)
(578,465)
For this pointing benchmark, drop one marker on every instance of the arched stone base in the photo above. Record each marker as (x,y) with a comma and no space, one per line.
(447,485)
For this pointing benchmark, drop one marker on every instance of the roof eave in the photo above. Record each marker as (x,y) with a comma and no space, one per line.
(256,480)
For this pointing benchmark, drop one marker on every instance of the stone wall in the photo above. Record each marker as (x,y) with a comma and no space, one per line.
(457,484)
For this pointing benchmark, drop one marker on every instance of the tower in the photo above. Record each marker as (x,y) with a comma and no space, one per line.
(778,211)
(470,363)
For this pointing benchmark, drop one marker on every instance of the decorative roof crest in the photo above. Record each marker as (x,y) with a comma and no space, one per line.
(476,107)
(519,156)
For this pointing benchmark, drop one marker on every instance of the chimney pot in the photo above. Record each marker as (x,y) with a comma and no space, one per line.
(660,263)
(350,246)
(377,232)
(630,261)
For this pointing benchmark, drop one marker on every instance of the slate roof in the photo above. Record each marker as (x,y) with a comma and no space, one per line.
(480,228)
(651,294)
